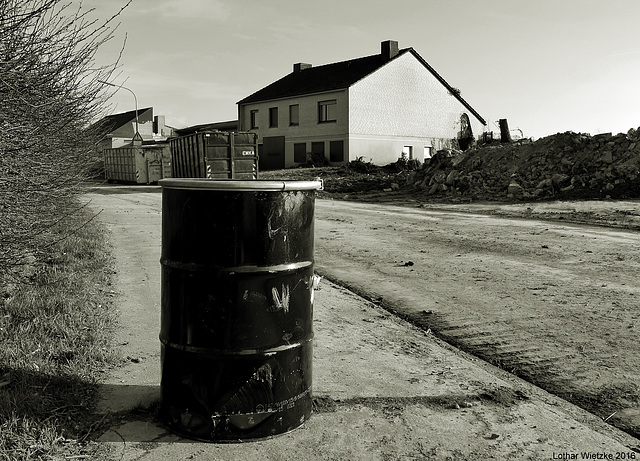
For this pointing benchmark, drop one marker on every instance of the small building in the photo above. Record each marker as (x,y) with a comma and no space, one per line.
(118,130)
(378,108)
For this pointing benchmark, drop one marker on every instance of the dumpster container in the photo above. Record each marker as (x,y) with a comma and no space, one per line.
(125,164)
(237,307)
(215,155)
(158,162)
(137,164)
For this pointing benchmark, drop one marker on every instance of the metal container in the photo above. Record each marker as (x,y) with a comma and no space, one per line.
(215,155)
(137,164)
(237,307)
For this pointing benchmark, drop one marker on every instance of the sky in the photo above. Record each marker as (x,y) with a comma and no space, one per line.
(547,66)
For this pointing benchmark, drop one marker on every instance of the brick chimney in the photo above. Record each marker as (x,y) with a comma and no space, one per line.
(298,67)
(389,49)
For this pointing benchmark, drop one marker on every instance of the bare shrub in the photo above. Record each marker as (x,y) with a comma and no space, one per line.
(49,94)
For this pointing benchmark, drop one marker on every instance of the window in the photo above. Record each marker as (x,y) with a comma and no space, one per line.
(407,152)
(294,115)
(273,117)
(336,151)
(317,149)
(254,119)
(327,111)
(300,152)
(427,152)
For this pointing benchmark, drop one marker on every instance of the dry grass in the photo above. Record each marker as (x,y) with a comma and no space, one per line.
(56,326)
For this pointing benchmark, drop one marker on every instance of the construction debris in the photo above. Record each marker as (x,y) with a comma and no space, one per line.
(563,166)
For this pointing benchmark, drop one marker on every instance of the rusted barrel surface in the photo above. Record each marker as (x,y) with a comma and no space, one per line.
(237,307)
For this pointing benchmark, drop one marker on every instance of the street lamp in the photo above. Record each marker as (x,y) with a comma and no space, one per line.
(137,135)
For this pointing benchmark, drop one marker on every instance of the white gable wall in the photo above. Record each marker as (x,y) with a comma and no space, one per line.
(403,104)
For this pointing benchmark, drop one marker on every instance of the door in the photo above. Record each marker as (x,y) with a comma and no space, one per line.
(272,156)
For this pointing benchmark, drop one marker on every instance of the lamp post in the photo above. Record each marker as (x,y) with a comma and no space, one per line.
(135,99)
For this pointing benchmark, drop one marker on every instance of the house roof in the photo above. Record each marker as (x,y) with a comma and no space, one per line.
(339,75)
(231,125)
(329,77)
(111,123)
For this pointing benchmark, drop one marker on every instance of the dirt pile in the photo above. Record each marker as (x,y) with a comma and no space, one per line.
(562,166)
(357,178)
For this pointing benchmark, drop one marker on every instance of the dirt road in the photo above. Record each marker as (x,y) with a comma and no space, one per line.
(133,220)
(556,304)
(384,389)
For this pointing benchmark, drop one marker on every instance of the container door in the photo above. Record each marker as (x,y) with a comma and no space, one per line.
(142,174)
(245,156)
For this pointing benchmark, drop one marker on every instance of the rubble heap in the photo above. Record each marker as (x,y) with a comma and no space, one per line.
(565,165)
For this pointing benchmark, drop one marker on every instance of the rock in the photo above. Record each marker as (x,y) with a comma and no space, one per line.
(545,184)
(560,180)
(607,157)
(451,177)
(516,190)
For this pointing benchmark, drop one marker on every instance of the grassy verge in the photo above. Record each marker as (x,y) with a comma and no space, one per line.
(56,327)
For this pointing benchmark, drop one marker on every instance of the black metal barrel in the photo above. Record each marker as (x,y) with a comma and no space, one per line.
(237,306)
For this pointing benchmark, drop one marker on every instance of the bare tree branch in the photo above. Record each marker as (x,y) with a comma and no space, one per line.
(49,94)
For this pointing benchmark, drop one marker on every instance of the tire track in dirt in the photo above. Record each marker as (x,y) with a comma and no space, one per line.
(495,343)
(556,305)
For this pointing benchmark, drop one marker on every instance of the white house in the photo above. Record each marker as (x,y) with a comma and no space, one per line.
(118,130)
(379,107)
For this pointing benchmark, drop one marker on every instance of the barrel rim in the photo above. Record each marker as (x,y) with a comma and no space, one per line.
(238,184)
